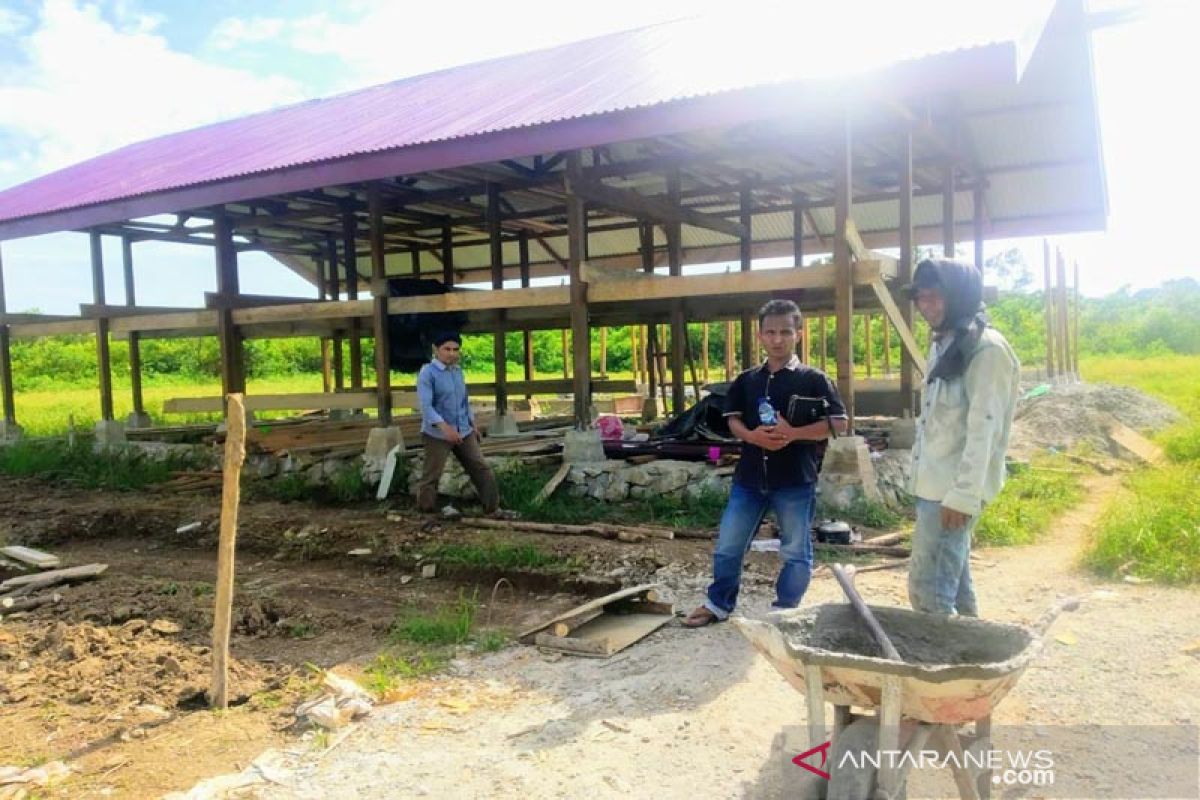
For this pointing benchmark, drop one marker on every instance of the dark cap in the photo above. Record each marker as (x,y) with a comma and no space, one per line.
(441,337)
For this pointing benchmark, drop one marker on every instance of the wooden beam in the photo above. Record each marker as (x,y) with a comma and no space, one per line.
(797,229)
(103,360)
(659,287)
(135,350)
(977,210)
(900,324)
(948,211)
(335,294)
(8,404)
(379,316)
(870,356)
(233,374)
(350,264)
(526,336)
(640,205)
(674,233)
(646,241)
(904,272)
(577,244)
(859,250)
(496,250)
(1062,314)
(1047,297)
(746,259)
(844,286)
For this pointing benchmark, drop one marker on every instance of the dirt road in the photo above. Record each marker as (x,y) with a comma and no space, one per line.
(695,713)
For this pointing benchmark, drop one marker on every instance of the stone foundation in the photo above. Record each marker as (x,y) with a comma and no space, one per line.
(614,481)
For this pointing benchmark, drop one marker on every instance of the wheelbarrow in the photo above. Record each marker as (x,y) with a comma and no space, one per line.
(951,671)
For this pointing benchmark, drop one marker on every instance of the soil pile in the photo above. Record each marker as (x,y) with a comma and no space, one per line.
(1080,416)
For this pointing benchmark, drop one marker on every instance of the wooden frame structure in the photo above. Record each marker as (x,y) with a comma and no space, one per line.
(596,206)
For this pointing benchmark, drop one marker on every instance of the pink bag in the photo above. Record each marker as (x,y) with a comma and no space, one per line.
(611,427)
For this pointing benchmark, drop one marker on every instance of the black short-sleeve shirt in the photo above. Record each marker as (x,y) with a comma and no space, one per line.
(799,462)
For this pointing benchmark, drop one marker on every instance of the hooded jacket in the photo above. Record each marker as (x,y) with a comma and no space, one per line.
(969,397)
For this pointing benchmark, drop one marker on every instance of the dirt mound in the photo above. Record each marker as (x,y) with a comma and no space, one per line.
(1080,415)
(139,663)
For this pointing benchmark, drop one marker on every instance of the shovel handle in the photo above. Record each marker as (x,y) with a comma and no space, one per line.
(889,649)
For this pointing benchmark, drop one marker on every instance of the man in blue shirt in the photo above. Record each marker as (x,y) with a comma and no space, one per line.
(448,426)
(778,467)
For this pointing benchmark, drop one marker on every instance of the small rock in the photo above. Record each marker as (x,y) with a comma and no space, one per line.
(450,512)
(165,626)
(360,551)
(171,666)
(429,571)
(405,579)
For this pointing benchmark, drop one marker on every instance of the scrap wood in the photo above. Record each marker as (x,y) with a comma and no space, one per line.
(882,550)
(42,580)
(28,555)
(887,538)
(605,625)
(13,605)
(598,529)
(551,485)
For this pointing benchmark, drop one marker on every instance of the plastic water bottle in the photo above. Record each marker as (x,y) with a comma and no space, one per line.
(766,413)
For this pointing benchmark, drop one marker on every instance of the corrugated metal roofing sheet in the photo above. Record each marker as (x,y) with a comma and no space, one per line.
(636,69)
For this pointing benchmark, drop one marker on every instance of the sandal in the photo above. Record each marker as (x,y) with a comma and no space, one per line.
(700,617)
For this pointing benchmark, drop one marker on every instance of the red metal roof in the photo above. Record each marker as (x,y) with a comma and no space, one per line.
(652,81)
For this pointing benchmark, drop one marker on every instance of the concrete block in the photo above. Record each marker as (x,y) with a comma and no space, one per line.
(903,434)
(504,425)
(581,446)
(848,471)
(137,420)
(10,431)
(109,433)
(380,441)
(650,409)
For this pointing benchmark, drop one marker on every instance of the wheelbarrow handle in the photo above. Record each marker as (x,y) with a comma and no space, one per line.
(1044,622)
(846,581)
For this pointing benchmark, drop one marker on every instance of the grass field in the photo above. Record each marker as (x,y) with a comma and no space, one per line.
(1152,530)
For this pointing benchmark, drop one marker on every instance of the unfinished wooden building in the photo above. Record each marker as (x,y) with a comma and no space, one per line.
(596,164)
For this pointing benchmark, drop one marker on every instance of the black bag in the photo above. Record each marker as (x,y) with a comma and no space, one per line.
(807,410)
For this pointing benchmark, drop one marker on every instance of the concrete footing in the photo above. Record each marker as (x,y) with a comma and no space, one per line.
(137,420)
(848,474)
(650,409)
(10,431)
(903,434)
(581,446)
(109,433)
(503,425)
(380,442)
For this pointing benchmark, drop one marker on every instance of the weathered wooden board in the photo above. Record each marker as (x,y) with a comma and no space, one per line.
(605,625)
(55,577)
(28,555)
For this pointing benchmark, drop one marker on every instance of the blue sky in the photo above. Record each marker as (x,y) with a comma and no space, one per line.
(81,78)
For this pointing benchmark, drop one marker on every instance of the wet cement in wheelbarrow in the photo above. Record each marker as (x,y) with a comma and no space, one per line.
(919,638)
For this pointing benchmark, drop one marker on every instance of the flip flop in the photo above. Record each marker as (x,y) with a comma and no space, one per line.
(700,617)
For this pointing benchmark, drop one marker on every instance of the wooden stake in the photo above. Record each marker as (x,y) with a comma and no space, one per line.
(566,353)
(235,454)
(704,348)
(604,352)
(1047,295)
(730,349)
(867,336)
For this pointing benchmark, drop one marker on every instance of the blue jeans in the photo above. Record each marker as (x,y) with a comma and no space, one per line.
(939,575)
(793,509)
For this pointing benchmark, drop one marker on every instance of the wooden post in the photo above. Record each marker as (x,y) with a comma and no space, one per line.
(805,338)
(650,339)
(335,294)
(867,336)
(823,322)
(704,350)
(581,342)
(566,353)
(323,295)
(379,311)
(730,344)
(135,349)
(104,363)
(904,272)
(745,253)
(499,343)
(233,373)
(948,211)
(798,200)
(235,454)
(526,335)
(6,384)
(844,280)
(887,346)
(977,208)
(663,340)
(1061,315)
(1075,326)
(415,256)
(1048,295)
(447,256)
(604,352)
(678,324)
(350,260)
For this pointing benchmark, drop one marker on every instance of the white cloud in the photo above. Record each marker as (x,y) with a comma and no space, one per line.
(234,32)
(11,22)
(88,87)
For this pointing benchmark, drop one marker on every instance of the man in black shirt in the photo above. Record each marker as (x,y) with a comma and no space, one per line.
(778,468)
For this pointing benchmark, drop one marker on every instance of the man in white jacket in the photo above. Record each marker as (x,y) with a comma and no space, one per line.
(962,434)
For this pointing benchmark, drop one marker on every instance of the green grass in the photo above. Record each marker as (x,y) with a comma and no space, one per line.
(491,553)
(862,512)
(389,669)
(1029,502)
(1152,528)
(123,469)
(448,626)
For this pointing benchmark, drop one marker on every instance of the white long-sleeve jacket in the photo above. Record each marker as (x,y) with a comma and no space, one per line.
(964,428)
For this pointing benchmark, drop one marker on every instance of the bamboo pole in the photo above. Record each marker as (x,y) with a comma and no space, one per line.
(235,454)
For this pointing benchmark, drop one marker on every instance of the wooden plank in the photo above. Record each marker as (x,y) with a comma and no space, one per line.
(1141,447)
(746,261)
(104,311)
(379,319)
(551,485)
(176,320)
(678,320)
(904,270)
(902,329)
(581,341)
(35,330)
(639,205)
(843,276)
(648,591)
(860,251)
(28,555)
(235,455)
(218,301)
(135,351)
(767,281)
(41,580)
(103,353)
(606,634)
